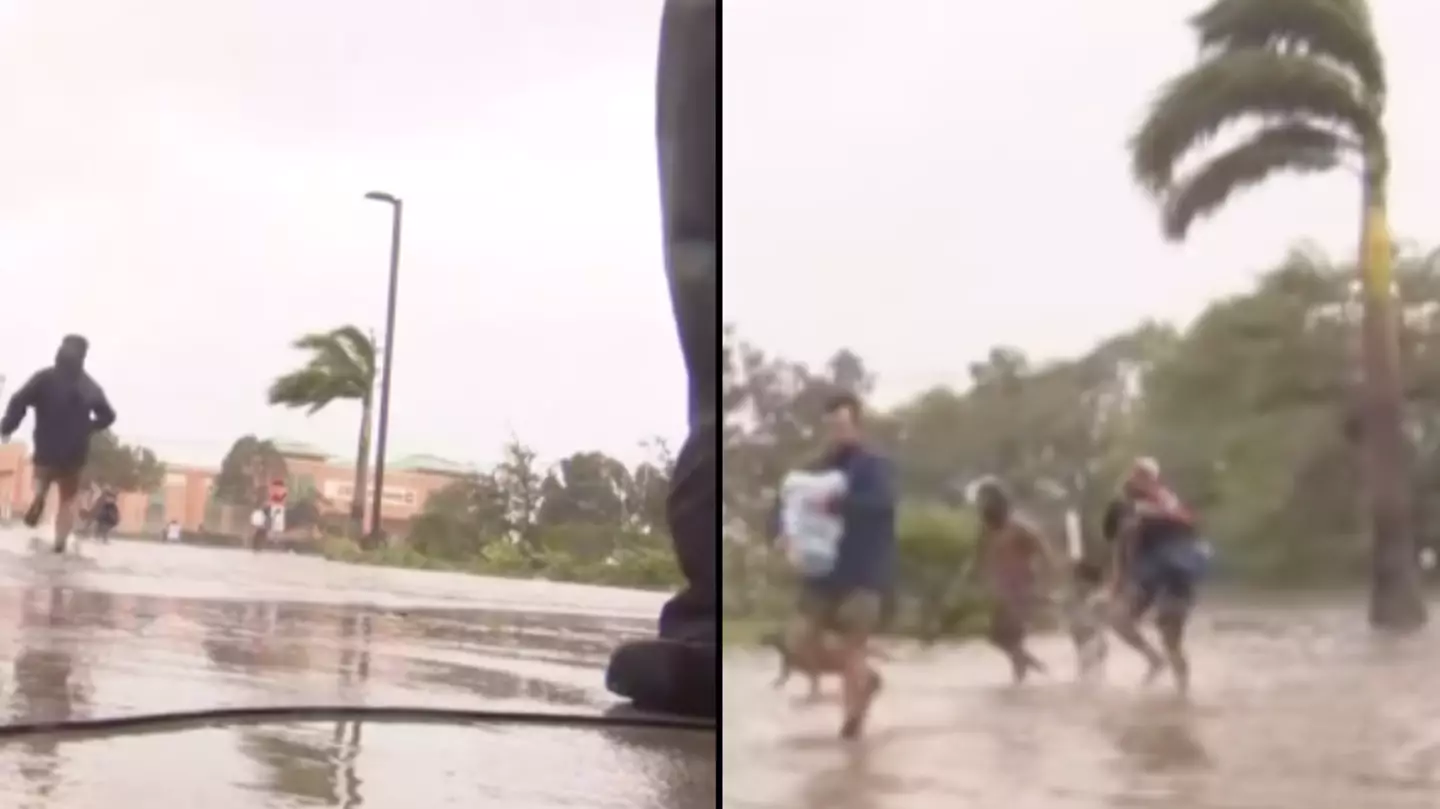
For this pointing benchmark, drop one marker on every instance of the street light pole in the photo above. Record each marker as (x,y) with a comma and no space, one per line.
(396,208)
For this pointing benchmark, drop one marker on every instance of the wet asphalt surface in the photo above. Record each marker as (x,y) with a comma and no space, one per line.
(138,627)
(1293,705)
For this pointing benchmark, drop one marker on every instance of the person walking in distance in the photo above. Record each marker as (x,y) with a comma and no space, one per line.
(69,408)
(260,525)
(107,514)
(677,671)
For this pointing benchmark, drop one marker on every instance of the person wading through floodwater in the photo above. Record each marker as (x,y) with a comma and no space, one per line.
(1014,561)
(1159,561)
(677,671)
(69,408)
(841,609)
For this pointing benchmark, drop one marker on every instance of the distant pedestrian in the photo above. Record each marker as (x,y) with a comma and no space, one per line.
(260,523)
(106,515)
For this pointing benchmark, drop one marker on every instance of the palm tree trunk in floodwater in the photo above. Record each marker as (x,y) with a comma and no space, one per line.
(346,742)
(353,798)
(1396,601)
(362,472)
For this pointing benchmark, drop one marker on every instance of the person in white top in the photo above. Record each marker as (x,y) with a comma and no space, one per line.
(260,521)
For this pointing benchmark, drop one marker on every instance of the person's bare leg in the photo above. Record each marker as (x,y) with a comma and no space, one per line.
(1172,616)
(32,516)
(1127,629)
(857,618)
(858,684)
(65,512)
(1007,633)
(784,675)
(64,524)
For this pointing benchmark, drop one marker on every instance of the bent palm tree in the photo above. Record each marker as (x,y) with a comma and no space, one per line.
(1310,72)
(341,366)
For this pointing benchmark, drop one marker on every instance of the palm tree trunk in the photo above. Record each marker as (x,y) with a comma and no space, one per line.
(362,473)
(1396,601)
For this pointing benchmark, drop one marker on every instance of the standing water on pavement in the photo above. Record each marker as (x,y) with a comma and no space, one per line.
(1292,705)
(139,628)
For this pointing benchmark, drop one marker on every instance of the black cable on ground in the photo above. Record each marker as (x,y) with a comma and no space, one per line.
(172,721)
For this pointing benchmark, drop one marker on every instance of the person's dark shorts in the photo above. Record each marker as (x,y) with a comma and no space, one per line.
(852,614)
(67,481)
(1168,577)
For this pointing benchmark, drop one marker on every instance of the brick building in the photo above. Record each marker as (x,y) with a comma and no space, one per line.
(186,494)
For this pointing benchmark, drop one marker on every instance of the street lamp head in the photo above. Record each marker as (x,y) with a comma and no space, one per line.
(381,196)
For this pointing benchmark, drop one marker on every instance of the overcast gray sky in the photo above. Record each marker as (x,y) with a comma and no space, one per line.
(182,182)
(934,177)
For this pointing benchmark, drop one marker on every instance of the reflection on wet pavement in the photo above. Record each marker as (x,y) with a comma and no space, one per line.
(1294,705)
(136,628)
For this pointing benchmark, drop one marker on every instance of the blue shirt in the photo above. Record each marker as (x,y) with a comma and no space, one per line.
(866,557)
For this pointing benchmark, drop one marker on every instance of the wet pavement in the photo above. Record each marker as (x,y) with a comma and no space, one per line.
(1293,705)
(140,627)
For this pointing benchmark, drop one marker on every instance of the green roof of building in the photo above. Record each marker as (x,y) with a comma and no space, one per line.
(298,449)
(432,463)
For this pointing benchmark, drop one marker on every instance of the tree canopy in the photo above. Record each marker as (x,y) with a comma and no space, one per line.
(341,365)
(247,467)
(1250,411)
(586,516)
(1308,78)
(122,467)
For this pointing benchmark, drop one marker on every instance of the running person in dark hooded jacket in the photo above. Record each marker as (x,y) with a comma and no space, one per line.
(69,407)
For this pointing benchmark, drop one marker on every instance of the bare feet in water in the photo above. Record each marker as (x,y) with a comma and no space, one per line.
(856,723)
(1155,667)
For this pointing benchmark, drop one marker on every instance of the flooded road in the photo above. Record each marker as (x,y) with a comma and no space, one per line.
(1295,705)
(137,627)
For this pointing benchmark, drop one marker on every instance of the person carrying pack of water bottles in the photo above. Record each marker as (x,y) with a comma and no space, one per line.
(812,531)
(838,522)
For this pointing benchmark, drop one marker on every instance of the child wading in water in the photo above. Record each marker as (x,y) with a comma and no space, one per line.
(1013,561)
(1087,618)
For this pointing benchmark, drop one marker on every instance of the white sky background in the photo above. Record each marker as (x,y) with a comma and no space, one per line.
(936,177)
(182,182)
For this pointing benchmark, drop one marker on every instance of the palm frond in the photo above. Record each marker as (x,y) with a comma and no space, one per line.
(358,346)
(341,366)
(310,387)
(1233,85)
(1294,146)
(345,350)
(1339,30)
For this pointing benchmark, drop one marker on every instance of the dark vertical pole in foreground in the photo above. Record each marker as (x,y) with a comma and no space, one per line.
(382,434)
(677,672)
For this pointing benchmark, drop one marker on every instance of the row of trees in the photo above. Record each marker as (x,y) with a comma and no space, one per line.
(1255,412)
(122,467)
(585,517)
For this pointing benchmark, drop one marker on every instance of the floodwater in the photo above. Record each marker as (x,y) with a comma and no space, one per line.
(138,627)
(1292,705)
